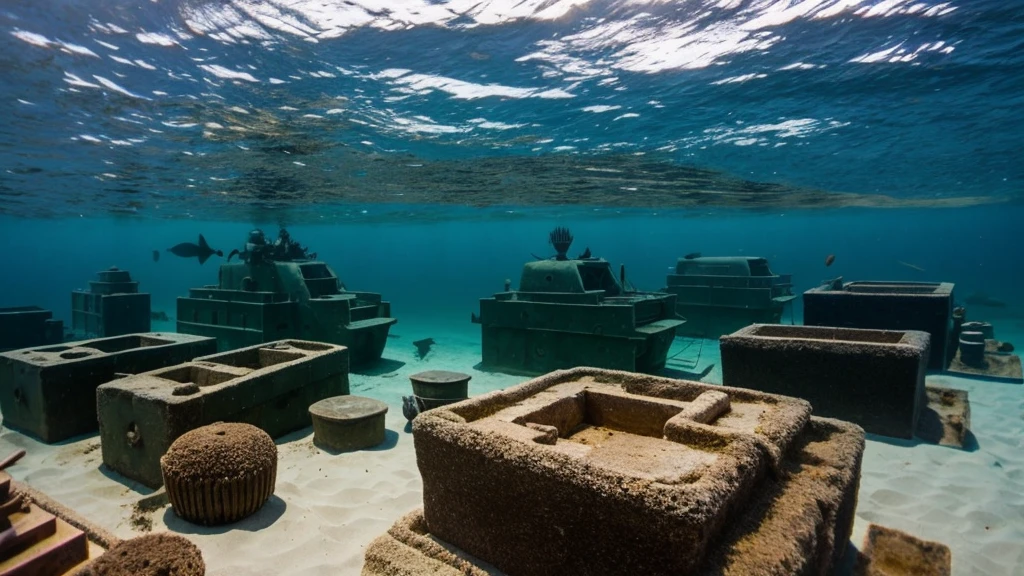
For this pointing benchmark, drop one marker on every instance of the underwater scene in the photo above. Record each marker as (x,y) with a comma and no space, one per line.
(523,288)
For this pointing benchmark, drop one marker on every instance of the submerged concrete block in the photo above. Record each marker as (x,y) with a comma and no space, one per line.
(923,306)
(890,552)
(644,475)
(270,386)
(50,392)
(874,378)
(348,422)
(24,326)
(113,306)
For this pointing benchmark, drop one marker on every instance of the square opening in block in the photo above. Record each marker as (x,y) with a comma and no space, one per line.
(197,374)
(122,343)
(892,288)
(827,333)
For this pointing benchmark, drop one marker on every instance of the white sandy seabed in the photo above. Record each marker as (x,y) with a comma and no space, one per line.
(327,508)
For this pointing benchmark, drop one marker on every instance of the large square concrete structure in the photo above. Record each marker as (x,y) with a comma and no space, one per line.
(590,471)
(50,392)
(268,301)
(875,378)
(270,386)
(113,306)
(924,306)
(25,326)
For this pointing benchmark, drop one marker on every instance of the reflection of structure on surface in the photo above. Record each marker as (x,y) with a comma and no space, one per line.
(270,386)
(25,326)
(50,392)
(264,299)
(721,295)
(113,306)
(602,472)
(575,312)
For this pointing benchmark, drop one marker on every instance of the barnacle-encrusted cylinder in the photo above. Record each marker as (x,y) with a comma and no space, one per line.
(220,473)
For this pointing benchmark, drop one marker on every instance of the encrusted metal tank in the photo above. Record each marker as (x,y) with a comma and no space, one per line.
(720,295)
(575,312)
(280,291)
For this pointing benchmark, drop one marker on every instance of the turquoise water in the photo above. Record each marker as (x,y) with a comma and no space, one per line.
(435,272)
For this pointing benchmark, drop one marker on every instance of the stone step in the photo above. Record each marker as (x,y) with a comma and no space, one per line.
(26,530)
(57,554)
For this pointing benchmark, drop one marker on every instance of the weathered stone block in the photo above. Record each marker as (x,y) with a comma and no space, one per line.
(113,306)
(890,552)
(270,386)
(24,326)
(646,475)
(50,392)
(874,378)
(923,306)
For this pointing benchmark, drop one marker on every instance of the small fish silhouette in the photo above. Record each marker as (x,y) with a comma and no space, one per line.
(201,251)
(691,256)
(829,260)
(156,255)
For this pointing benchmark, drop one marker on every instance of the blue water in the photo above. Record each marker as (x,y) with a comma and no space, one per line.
(424,149)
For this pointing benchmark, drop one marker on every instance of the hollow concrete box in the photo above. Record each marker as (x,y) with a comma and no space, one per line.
(270,386)
(924,306)
(874,378)
(590,471)
(50,392)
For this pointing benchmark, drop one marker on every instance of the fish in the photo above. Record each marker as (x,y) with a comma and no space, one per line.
(829,260)
(982,299)
(201,251)
(156,255)
(909,265)
(691,256)
(423,347)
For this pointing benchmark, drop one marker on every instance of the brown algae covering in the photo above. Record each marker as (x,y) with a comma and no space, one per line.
(150,555)
(644,475)
(890,552)
(220,473)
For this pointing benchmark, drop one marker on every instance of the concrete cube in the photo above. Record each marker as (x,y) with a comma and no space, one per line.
(270,386)
(874,378)
(923,306)
(590,471)
(50,392)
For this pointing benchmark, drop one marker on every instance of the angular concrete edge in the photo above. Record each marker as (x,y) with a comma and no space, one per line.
(909,555)
(802,520)
(94,533)
(776,433)
(407,549)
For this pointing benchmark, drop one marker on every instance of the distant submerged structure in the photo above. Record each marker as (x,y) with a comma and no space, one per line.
(575,312)
(719,295)
(279,290)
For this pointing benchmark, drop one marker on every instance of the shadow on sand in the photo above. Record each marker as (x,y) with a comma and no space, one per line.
(273,509)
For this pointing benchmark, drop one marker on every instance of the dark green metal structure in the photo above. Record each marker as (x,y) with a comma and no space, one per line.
(720,295)
(262,300)
(570,313)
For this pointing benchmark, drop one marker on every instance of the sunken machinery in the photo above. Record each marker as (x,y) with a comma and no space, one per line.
(280,291)
(720,295)
(575,312)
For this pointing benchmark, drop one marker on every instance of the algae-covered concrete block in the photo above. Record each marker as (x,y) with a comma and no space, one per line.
(270,386)
(890,552)
(590,471)
(923,306)
(113,306)
(50,392)
(874,378)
